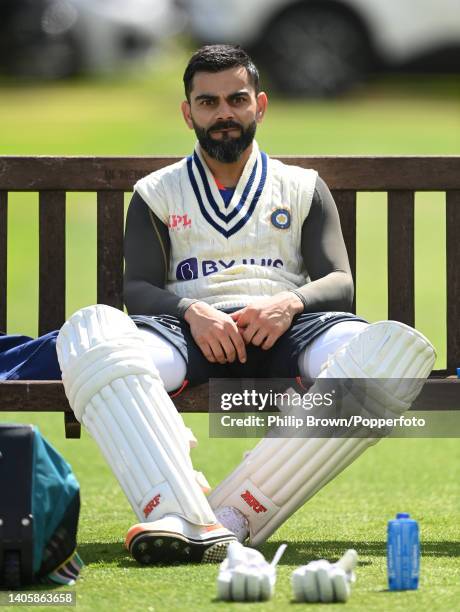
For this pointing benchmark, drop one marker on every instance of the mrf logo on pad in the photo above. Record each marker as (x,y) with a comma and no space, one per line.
(252,502)
(153,503)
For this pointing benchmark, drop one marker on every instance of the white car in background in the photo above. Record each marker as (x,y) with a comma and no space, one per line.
(58,38)
(321,47)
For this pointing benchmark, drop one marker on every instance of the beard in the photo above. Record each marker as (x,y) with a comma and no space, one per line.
(228,149)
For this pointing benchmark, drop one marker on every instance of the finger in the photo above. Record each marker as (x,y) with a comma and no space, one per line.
(326,591)
(340,585)
(217,351)
(297,582)
(252,585)
(237,315)
(349,560)
(309,585)
(259,337)
(266,588)
(239,345)
(238,585)
(228,348)
(224,585)
(269,341)
(250,332)
(241,317)
(207,352)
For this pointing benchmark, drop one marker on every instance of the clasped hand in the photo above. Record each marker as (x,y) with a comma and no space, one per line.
(222,338)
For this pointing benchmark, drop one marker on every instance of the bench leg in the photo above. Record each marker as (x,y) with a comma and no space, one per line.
(72,426)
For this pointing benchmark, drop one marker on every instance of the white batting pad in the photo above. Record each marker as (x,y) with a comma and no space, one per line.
(280,474)
(116,392)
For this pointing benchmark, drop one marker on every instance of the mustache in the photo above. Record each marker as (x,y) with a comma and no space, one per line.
(225,125)
(225,150)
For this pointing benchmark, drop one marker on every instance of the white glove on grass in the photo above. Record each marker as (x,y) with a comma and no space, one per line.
(321,581)
(245,575)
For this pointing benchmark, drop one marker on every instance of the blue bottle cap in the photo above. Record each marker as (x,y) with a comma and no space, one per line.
(402,515)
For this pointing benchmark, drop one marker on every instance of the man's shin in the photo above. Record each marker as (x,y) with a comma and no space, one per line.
(281,474)
(116,392)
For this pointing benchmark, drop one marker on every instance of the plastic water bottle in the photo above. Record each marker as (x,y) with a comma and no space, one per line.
(403,553)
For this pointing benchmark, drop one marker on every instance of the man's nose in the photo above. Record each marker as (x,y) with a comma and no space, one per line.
(225,111)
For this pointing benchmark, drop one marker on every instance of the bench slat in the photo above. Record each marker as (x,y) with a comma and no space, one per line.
(346,204)
(118,173)
(401,257)
(453,279)
(110,217)
(51,308)
(49,396)
(3,257)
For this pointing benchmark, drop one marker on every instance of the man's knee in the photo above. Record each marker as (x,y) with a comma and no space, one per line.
(313,357)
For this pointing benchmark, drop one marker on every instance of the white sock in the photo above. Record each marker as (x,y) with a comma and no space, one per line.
(234,521)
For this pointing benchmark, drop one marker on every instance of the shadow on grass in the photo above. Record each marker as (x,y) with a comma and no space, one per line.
(113,553)
(103,552)
(297,553)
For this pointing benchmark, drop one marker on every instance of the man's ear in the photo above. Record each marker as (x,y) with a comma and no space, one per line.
(262,102)
(186,112)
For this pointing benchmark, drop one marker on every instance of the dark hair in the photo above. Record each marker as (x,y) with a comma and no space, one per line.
(215,58)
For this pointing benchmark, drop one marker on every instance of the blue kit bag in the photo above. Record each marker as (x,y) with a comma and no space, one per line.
(39,510)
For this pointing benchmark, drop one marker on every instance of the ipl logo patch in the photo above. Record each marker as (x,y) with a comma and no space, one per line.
(281,218)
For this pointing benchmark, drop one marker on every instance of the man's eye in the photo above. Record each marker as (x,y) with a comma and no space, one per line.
(239,99)
(207,102)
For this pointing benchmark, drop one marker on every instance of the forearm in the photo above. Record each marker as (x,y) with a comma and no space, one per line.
(333,292)
(142,297)
(325,257)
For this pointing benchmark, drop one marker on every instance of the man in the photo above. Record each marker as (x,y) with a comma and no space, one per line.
(235,266)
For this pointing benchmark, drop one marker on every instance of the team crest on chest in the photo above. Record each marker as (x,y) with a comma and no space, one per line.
(281,218)
(229,218)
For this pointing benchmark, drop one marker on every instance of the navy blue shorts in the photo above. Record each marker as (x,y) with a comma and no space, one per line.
(278,362)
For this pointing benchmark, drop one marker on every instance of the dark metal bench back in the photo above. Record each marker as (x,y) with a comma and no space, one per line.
(400,177)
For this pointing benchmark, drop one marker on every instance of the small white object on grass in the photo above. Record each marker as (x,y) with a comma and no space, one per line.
(245,575)
(325,582)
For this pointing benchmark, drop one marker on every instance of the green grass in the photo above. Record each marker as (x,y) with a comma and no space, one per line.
(416,476)
(139,116)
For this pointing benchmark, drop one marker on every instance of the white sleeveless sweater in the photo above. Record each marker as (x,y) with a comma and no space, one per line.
(228,255)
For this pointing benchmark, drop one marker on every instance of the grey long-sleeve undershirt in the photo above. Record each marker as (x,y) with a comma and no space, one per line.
(147,248)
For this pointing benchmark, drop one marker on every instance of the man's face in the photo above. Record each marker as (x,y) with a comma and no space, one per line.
(224,111)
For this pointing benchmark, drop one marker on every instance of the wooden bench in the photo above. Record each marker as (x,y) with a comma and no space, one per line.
(52,177)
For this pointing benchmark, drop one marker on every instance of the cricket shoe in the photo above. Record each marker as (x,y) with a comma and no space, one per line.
(172,539)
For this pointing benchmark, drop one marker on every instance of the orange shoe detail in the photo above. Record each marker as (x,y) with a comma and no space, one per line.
(132,532)
(213,527)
